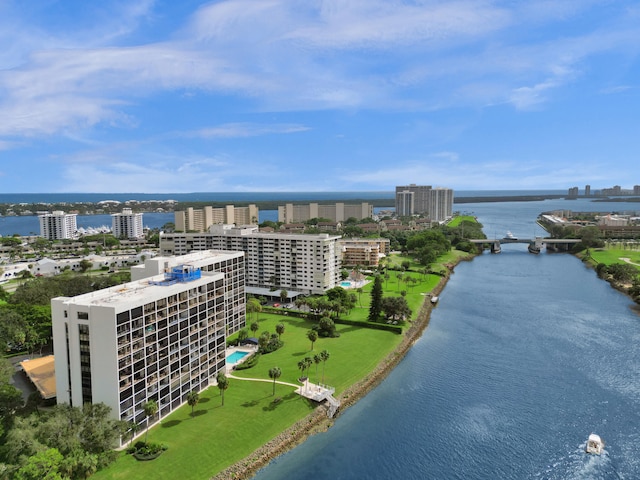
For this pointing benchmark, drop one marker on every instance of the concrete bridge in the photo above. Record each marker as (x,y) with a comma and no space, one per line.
(551,244)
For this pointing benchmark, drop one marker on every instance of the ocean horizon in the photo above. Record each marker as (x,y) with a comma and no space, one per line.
(70,197)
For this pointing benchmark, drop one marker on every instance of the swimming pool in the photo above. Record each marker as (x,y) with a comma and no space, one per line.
(235,357)
(345,284)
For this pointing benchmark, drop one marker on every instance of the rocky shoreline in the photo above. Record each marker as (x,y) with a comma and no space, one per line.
(317,421)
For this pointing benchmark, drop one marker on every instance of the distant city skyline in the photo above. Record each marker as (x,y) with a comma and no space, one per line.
(251,96)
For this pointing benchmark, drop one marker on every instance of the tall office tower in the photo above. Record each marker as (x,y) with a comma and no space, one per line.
(57,225)
(127,224)
(404,203)
(157,338)
(587,190)
(573,192)
(305,263)
(200,219)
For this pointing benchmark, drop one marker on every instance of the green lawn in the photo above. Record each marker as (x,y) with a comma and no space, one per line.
(611,255)
(457,220)
(217,437)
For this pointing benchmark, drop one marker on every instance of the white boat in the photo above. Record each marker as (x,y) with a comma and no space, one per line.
(434,299)
(510,236)
(595,445)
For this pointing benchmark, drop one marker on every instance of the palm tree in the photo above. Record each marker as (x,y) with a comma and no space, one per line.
(302,366)
(254,306)
(133,428)
(312,335)
(317,359)
(274,373)
(324,355)
(223,384)
(283,295)
(150,410)
(359,290)
(280,329)
(255,326)
(193,398)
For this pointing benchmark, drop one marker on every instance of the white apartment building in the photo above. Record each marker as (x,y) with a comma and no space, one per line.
(304,263)
(57,225)
(127,224)
(404,203)
(440,204)
(200,219)
(338,212)
(156,338)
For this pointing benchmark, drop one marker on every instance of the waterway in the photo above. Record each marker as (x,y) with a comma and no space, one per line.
(524,357)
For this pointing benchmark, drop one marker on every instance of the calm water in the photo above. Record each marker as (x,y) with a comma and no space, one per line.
(524,357)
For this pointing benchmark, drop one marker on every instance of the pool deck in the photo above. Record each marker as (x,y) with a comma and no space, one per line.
(232,350)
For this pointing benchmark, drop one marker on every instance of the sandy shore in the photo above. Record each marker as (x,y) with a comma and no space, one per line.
(318,420)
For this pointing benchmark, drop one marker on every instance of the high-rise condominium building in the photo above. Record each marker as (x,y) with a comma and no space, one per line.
(57,225)
(404,203)
(200,219)
(156,338)
(337,212)
(304,263)
(127,224)
(436,203)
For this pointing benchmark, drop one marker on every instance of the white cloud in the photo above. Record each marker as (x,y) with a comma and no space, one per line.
(240,130)
(375,55)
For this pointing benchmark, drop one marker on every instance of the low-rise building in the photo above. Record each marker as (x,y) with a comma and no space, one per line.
(363,251)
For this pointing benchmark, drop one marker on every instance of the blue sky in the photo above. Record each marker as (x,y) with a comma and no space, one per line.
(310,95)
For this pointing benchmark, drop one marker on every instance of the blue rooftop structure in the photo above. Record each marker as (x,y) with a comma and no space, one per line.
(181,273)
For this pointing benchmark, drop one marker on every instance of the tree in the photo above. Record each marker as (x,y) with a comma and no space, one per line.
(223,384)
(359,290)
(243,334)
(193,397)
(280,329)
(324,355)
(254,306)
(6,370)
(150,410)
(255,326)
(375,309)
(283,295)
(44,465)
(85,265)
(10,400)
(274,373)
(327,327)
(312,335)
(263,341)
(317,360)
(134,428)
(395,308)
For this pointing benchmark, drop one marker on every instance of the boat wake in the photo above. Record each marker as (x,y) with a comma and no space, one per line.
(581,466)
